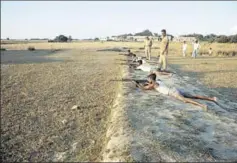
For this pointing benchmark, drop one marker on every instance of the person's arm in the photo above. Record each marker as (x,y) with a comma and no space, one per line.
(147,87)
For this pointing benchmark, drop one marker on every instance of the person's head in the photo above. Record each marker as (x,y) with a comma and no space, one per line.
(152,77)
(129,51)
(140,62)
(163,32)
(147,38)
(134,55)
(210,48)
(196,41)
(184,42)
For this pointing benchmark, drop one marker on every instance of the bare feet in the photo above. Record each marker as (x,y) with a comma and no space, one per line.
(215,99)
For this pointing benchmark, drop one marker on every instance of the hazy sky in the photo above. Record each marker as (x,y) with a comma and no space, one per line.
(43,19)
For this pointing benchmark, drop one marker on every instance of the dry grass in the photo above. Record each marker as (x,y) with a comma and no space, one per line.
(218,73)
(219,49)
(36,100)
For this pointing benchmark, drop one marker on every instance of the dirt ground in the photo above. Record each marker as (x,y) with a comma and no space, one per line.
(37,122)
(216,73)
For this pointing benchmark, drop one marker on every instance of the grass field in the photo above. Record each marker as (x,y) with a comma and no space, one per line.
(36,100)
(219,49)
(38,123)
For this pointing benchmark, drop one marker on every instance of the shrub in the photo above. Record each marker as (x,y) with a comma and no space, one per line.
(223,39)
(233,39)
(61,38)
(96,39)
(31,48)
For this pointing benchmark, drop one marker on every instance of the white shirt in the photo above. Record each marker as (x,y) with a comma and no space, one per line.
(144,67)
(195,46)
(184,47)
(143,61)
(162,88)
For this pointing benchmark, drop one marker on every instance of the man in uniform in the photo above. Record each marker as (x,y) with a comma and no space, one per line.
(147,46)
(163,50)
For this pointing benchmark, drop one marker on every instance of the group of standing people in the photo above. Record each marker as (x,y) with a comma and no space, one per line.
(152,83)
(163,49)
(196,47)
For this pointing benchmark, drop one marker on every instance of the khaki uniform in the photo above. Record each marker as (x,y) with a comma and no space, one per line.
(148,44)
(163,57)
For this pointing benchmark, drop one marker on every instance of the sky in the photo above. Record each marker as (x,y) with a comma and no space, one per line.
(90,19)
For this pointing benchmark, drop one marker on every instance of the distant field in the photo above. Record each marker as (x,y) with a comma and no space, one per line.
(219,49)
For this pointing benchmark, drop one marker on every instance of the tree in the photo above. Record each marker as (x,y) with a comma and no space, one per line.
(233,39)
(144,33)
(156,35)
(210,38)
(96,39)
(222,39)
(197,36)
(61,38)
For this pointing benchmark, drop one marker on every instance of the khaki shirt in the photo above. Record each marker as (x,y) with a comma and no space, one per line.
(148,43)
(164,42)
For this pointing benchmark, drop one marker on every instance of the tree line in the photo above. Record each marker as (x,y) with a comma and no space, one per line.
(61,38)
(214,38)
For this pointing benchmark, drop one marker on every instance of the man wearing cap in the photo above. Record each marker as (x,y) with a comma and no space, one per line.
(147,46)
(163,50)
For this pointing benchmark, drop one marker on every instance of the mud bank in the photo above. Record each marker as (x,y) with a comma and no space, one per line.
(166,129)
(119,133)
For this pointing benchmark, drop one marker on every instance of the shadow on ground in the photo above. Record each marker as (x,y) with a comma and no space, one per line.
(25,56)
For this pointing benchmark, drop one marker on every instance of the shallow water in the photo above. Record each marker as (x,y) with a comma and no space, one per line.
(167,129)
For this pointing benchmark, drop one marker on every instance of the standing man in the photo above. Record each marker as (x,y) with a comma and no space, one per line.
(163,50)
(195,49)
(184,49)
(147,46)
